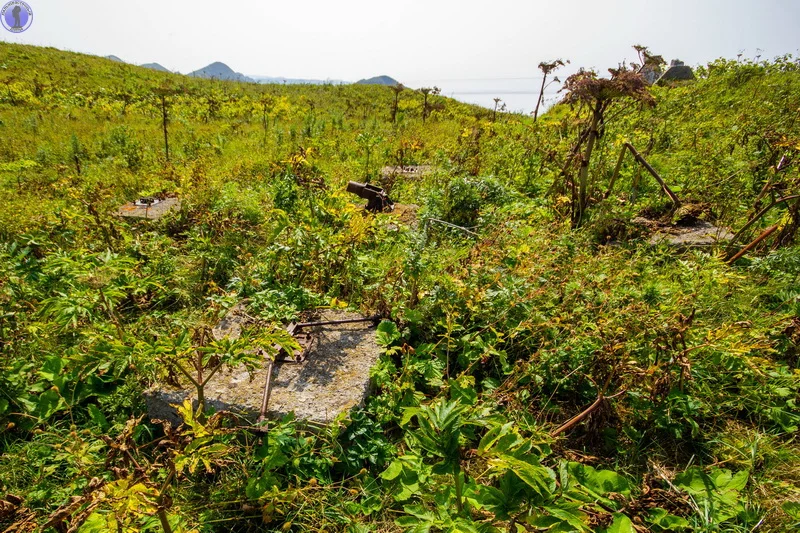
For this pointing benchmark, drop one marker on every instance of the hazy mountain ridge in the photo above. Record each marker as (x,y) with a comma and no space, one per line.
(155,66)
(220,71)
(298,81)
(378,80)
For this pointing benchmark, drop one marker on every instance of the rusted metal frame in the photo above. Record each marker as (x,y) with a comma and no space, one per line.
(766,233)
(267,390)
(575,420)
(293,329)
(757,216)
(642,161)
(376,197)
(450,225)
(335,322)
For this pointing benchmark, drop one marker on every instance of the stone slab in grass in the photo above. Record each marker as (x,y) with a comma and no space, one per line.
(333,379)
(693,234)
(149,208)
(406,171)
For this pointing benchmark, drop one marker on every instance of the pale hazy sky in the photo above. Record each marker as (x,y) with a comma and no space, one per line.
(414,41)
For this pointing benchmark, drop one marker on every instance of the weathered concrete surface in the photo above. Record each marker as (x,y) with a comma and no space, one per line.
(151,208)
(696,234)
(333,379)
(406,171)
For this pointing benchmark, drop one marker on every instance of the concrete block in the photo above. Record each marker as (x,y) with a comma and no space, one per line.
(333,379)
(149,208)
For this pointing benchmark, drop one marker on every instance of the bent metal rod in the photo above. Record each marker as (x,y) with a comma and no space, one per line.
(294,328)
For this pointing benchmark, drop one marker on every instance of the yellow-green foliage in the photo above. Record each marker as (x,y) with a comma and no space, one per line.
(503,324)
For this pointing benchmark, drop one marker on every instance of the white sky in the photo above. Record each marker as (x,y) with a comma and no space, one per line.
(415,41)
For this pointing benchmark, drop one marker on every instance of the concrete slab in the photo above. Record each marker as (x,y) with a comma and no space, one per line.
(406,171)
(149,208)
(695,234)
(333,379)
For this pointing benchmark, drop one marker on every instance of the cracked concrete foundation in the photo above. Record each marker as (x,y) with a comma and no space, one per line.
(333,379)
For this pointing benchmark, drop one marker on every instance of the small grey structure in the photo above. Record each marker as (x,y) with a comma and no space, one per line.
(651,73)
(333,379)
(149,207)
(677,71)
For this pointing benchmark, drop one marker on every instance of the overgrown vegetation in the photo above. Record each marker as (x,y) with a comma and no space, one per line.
(546,370)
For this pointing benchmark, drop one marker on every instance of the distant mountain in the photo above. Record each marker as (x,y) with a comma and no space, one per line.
(115,58)
(220,71)
(379,80)
(297,81)
(155,66)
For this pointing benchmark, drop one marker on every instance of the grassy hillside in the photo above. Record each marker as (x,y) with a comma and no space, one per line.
(546,370)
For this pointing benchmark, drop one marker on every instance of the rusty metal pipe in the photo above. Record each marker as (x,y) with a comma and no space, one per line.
(267,390)
(766,233)
(376,197)
(334,322)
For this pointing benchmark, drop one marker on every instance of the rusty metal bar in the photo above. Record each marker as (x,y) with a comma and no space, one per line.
(292,329)
(758,216)
(766,233)
(376,197)
(642,161)
(267,390)
(334,322)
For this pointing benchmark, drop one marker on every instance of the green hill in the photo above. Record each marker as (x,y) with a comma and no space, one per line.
(156,66)
(544,366)
(220,71)
(378,80)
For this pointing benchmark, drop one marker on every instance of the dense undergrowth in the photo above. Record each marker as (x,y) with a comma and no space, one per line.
(494,339)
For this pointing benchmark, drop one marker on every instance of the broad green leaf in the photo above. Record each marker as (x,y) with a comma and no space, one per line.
(539,478)
(97,416)
(51,368)
(693,481)
(601,482)
(485,497)
(569,513)
(394,470)
(413,316)
(387,333)
(717,493)
(723,479)
(48,403)
(491,437)
(408,414)
(257,486)
(661,520)
(371,504)
(99,523)
(621,524)
(463,390)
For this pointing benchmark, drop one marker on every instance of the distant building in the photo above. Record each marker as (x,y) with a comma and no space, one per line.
(677,71)
(651,73)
